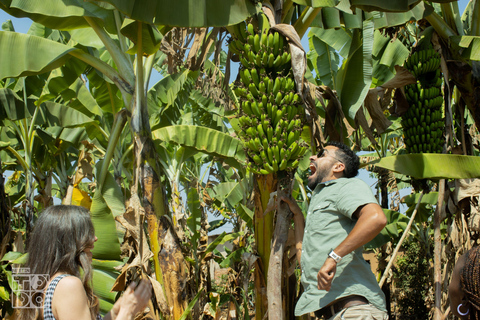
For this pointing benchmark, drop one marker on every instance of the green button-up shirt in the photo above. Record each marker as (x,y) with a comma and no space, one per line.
(329,220)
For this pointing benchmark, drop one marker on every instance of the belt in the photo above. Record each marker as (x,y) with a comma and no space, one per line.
(340,304)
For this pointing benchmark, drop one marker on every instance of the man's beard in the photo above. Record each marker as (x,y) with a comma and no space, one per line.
(319,176)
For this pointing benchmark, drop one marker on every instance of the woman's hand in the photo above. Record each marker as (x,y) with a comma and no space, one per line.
(133,301)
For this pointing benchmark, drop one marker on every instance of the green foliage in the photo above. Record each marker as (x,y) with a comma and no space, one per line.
(413,280)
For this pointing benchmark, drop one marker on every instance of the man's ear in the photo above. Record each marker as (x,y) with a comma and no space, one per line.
(339,167)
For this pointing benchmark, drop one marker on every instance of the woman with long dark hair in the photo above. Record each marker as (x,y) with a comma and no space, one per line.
(464,288)
(60,247)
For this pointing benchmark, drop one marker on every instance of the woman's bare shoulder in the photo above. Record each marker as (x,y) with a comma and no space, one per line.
(70,300)
(70,284)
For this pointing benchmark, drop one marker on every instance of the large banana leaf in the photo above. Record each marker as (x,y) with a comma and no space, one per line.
(151,36)
(61,78)
(57,114)
(343,16)
(203,140)
(102,286)
(233,192)
(432,166)
(106,203)
(58,14)
(11,106)
(355,77)
(24,55)
(382,5)
(471,45)
(187,13)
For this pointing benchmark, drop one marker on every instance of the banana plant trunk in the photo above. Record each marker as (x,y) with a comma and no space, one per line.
(170,264)
(264,186)
(277,305)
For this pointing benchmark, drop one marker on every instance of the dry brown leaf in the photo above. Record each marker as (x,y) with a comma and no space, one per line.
(466,188)
(160,297)
(401,79)
(401,105)
(330,116)
(268,11)
(379,120)
(299,57)
(206,48)
(232,311)
(197,44)
(474,219)
(333,113)
(362,121)
(120,282)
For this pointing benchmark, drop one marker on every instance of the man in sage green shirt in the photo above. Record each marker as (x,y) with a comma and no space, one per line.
(343,215)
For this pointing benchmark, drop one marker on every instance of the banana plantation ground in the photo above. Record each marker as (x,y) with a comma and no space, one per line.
(177,123)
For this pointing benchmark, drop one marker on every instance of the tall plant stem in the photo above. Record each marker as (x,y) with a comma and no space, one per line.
(399,245)
(437,257)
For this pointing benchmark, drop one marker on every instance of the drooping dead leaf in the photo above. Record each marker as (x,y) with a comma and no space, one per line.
(466,188)
(268,10)
(138,253)
(205,49)
(400,106)
(160,296)
(385,97)
(401,79)
(299,57)
(84,167)
(317,137)
(18,244)
(379,120)
(121,281)
(362,121)
(474,219)
(299,66)
(197,44)
(334,114)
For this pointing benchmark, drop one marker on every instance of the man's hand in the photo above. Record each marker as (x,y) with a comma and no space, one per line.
(326,274)
(299,222)
(292,204)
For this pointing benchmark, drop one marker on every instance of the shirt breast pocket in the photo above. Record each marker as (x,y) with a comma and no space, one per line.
(320,216)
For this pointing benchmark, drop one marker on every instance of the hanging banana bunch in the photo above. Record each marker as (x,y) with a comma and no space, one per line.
(270,114)
(423,123)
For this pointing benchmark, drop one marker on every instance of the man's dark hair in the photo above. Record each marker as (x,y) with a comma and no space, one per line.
(348,157)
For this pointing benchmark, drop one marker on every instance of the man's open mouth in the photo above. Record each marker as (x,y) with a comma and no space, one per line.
(313,169)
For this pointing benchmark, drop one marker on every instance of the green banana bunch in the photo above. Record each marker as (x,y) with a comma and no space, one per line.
(270,112)
(423,123)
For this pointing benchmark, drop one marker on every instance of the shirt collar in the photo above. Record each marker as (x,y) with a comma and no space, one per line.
(321,185)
